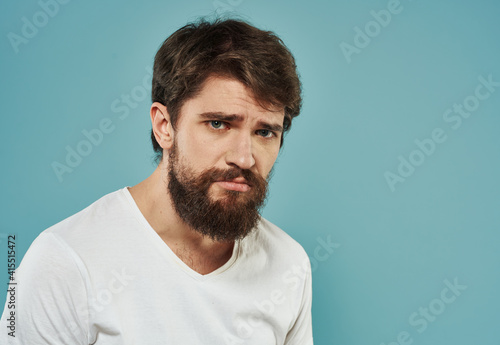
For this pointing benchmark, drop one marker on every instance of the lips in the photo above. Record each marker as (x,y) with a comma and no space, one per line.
(238,184)
(238,180)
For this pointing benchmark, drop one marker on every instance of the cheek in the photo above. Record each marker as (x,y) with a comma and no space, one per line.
(197,150)
(268,158)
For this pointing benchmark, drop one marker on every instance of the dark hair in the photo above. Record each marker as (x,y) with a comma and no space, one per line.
(233,48)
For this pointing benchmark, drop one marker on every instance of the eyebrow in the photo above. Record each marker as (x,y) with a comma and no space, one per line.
(238,118)
(222,116)
(271,127)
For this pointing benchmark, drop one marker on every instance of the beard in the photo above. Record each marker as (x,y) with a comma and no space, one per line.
(230,217)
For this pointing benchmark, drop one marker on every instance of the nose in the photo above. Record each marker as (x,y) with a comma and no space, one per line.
(240,152)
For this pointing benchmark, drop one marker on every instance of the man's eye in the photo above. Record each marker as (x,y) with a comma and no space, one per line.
(266,133)
(216,124)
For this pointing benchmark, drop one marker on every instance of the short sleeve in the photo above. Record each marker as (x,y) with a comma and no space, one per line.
(301,331)
(51,305)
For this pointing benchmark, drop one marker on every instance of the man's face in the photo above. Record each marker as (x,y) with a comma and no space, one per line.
(225,145)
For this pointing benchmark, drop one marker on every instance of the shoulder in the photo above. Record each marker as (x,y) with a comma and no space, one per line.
(80,245)
(90,233)
(49,259)
(99,225)
(97,212)
(274,234)
(279,244)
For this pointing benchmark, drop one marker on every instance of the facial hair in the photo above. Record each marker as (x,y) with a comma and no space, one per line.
(231,216)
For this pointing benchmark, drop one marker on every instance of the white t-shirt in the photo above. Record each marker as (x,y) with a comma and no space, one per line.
(104,276)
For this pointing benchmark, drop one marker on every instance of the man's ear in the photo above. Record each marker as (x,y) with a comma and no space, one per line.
(162,126)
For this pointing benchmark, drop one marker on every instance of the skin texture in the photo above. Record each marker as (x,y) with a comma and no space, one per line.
(223,126)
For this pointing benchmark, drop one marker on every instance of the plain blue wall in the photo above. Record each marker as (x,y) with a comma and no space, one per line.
(367,100)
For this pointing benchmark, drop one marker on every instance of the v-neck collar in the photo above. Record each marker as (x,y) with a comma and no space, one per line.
(153,235)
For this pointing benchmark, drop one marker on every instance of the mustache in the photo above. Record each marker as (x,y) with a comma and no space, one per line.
(216,174)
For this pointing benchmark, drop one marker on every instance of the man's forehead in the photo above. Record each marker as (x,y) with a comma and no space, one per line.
(232,87)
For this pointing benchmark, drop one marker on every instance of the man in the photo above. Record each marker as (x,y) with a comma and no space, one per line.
(184,256)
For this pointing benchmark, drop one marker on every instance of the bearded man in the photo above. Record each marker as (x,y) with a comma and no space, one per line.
(184,257)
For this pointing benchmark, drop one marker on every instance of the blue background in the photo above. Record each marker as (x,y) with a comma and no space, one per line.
(394,247)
